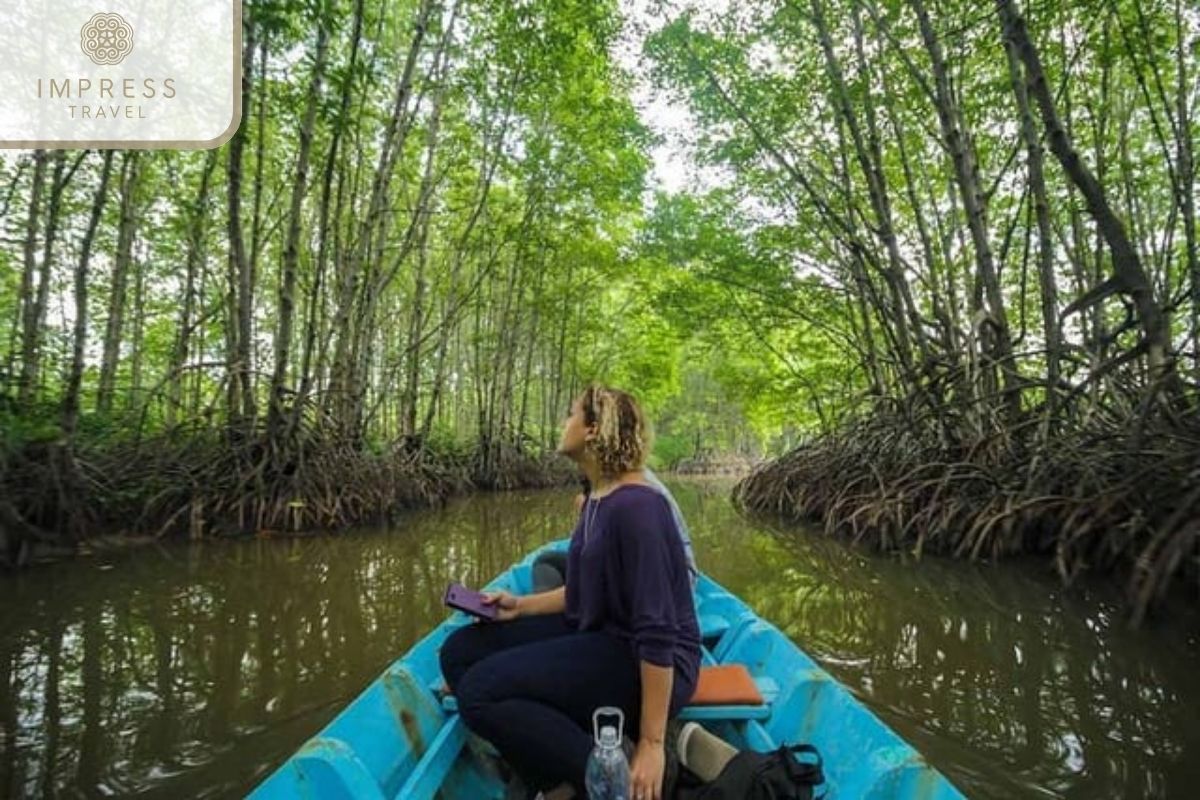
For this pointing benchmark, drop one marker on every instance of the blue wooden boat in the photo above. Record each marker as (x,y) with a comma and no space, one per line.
(401,739)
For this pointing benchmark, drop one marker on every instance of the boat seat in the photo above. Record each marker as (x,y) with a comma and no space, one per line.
(723,692)
(729,692)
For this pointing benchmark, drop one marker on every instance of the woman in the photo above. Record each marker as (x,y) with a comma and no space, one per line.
(621,632)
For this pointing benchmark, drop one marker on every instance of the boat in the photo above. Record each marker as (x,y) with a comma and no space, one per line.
(402,738)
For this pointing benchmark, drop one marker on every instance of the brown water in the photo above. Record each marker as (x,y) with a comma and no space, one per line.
(192,670)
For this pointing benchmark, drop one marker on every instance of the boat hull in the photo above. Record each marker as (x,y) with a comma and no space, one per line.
(398,739)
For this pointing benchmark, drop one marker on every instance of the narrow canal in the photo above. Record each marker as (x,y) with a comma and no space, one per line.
(192,670)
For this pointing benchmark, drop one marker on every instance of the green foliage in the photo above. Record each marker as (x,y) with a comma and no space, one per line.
(507,248)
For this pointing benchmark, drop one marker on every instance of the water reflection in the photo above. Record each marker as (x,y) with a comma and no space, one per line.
(193,670)
(1004,683)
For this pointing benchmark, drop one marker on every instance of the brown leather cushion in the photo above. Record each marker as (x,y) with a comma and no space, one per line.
(726,685)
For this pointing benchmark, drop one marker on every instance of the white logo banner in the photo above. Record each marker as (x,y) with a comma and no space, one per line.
(120,73)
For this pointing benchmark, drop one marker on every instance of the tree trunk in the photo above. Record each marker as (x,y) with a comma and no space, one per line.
(1041,209)
(114,326)
(70,406)
(31,343)
(139,328)
(28,275)
(534,330)
(351,354)
(966,173)
(291,252)
(196,229)
(240,390)
(314,320)
(32,335)
(1128,275)
(260,133)
(877,189)
(416,330)
(1185,156)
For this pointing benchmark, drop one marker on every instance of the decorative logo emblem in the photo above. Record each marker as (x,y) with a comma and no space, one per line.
(106,38)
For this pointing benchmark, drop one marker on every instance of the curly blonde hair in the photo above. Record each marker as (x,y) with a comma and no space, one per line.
(623,435)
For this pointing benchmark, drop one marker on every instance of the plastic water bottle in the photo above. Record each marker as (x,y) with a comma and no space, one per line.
(607,776)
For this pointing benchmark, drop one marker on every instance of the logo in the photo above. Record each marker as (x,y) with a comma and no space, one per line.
(106,39)
(78,74)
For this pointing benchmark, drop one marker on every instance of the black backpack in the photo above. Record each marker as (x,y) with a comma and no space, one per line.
(751,775)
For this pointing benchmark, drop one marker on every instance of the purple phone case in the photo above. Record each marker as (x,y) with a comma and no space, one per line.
(468,601)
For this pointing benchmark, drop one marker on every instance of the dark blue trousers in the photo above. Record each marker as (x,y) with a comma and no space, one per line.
(529,686)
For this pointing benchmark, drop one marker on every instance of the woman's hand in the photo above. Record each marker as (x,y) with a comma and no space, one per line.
(646,772)
(507,605)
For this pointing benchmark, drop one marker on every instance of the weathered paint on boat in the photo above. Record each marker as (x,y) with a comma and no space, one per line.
(397,740)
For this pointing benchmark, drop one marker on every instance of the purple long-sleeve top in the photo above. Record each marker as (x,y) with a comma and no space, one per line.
(630,578)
